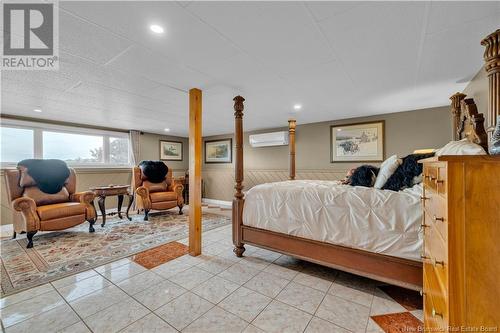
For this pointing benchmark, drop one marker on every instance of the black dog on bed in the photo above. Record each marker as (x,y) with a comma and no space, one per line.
(364,175)
(405,174)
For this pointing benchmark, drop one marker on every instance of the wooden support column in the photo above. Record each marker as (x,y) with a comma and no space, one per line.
(291,145)
(195,172)
(457,114)
(238,200)
(492,67)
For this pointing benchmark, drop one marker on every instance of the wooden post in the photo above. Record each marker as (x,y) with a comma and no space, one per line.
(291,145)
(195,172)
(238,200)
(492,67)
(457,114)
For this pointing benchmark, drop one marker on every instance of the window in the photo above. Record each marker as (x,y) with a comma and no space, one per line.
(16,144)
(75,146)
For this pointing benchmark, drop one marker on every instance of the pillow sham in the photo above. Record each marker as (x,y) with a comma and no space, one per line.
(462,147)
(387,168)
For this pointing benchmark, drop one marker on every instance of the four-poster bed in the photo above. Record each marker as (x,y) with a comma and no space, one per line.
(399,271)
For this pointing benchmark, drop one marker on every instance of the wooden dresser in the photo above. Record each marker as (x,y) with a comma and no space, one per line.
(461,254)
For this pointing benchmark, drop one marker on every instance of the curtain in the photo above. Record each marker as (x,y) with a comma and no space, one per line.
(134,160)
(135,146)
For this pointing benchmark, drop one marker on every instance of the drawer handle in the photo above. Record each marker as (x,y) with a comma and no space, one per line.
(439,181)
(423,256)
(423,225)
(432,178)
(423,198)
(435,218)
(437,262)
(436,314)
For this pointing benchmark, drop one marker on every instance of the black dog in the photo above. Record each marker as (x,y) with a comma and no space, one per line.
(405,174)
(155,171)
(364,175)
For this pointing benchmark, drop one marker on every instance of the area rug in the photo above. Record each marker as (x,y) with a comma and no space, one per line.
(59,254)
(160,254)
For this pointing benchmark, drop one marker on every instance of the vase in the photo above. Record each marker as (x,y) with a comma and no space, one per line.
(495,140)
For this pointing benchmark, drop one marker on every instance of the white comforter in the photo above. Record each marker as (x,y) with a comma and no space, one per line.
(369,219)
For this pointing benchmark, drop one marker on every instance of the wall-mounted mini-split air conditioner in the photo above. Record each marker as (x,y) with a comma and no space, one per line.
(269,139)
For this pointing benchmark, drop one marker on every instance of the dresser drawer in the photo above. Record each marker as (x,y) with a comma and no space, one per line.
(435,178)
(436,212)
(435,299)
(436,254)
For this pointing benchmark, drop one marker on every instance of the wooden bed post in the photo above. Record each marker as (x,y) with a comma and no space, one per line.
(291,146)
(456,99)
(238,200)
(492,67)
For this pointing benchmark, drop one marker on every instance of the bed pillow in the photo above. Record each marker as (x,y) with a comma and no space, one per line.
(462,147)
(386,170)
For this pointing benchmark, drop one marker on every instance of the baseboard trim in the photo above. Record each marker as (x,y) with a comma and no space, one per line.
(222,203)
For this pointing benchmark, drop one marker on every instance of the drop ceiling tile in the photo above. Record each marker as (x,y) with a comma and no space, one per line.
(143,63)
(378,43)
(186,40)
(279,34)
(454,55)
(170,95)
(126,80)
(327,9)
(451,15)
(87,40)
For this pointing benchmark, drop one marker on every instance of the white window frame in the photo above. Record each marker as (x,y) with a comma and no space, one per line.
(39,128)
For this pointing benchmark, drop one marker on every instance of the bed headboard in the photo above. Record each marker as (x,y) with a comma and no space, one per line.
(468,122)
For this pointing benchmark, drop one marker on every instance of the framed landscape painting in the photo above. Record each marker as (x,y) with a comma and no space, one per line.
(362,142)
(170,150)
(219,151)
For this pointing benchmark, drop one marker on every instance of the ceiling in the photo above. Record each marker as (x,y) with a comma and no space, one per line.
(336,59)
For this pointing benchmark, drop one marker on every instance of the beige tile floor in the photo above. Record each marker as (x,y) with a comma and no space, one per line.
(214,292)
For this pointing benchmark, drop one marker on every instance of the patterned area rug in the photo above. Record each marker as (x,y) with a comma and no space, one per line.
(58,254)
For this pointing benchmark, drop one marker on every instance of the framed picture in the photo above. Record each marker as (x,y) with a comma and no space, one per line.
(219,151)
(362,142)
(170,150)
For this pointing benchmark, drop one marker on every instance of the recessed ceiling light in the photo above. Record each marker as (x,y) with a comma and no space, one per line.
(167,129)
(37,110)
(156,29)
(297,107)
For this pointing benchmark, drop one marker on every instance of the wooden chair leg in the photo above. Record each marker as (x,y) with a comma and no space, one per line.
(91,225)
(30,235)
(180,209)
(14,234)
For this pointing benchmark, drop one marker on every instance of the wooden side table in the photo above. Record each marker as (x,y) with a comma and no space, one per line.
(102,192)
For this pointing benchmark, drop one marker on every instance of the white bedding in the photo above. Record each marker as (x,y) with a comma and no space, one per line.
(374,220)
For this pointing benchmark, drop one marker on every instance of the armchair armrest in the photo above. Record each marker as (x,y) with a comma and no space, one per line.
(86,198)
(27,207)
(177,188)
(83,197)
(143,193)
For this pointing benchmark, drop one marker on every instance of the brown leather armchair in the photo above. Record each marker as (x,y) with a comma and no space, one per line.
(158,196)
(35,210)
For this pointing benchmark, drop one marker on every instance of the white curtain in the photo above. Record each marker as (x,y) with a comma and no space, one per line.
(135,146)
